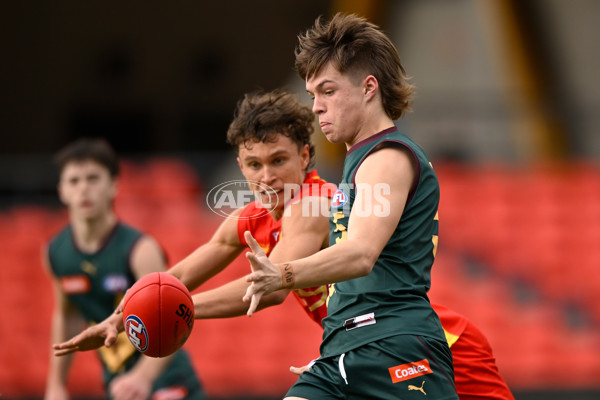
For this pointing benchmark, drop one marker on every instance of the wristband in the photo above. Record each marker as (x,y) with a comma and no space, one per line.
(287,276)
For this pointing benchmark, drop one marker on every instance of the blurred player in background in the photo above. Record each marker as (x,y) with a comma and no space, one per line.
(92,262)
(382,339)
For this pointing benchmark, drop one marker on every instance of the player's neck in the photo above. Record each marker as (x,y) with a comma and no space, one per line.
(90,234)
(376,122)
(277,214)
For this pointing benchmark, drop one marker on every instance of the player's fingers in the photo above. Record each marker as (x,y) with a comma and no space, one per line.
(119,309)
(252,259)
(254,303)
(120,389)
(249,292)
(64,345)
(253,244)
(301,370)
(111,338)
(255,263)
(115,390)
(297,371)
(125,391)
(58,352)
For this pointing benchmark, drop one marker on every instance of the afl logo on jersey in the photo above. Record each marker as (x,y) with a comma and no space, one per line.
(339,198)
(138,335)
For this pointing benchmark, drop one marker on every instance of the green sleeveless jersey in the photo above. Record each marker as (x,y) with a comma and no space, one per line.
(94,282)
(392,299)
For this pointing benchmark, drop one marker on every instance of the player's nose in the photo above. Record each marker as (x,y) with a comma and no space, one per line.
(268,175)
(318,107)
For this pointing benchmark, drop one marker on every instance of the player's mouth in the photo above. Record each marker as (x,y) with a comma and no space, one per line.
(270,196)
(86,204)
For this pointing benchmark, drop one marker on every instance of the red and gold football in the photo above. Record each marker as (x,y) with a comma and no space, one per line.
(158,314)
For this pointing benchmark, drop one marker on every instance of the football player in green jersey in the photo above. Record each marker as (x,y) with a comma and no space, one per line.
(382,339)
(93,260)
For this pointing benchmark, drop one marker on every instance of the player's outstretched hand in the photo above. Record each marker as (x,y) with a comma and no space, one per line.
(301,370)
(130,385)
(265,277)
(102,334)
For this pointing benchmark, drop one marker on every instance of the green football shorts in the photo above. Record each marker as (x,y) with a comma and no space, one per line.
(398,367)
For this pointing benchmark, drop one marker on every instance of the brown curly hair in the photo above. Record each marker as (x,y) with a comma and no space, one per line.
(353,46)
(259,116)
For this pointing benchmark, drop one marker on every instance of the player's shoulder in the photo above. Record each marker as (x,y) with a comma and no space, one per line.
(387,164)
(61,235)
(59,245)
(315,185)
(136,239)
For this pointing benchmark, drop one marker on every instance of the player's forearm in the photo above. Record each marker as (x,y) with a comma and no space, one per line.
(58,368)
(344,261)
(58,371)
(226,301)
(204,263)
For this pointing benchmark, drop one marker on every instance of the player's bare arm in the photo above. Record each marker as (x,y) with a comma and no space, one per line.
(65,323)
(210,258)
(367,234)
(147,257)
(302,234)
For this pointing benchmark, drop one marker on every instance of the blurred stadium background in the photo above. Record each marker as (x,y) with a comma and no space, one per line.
(508,93)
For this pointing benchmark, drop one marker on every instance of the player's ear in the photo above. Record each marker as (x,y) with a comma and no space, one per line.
(305,156)
(61,194)
(370,85)
(239,162)
(115,187)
